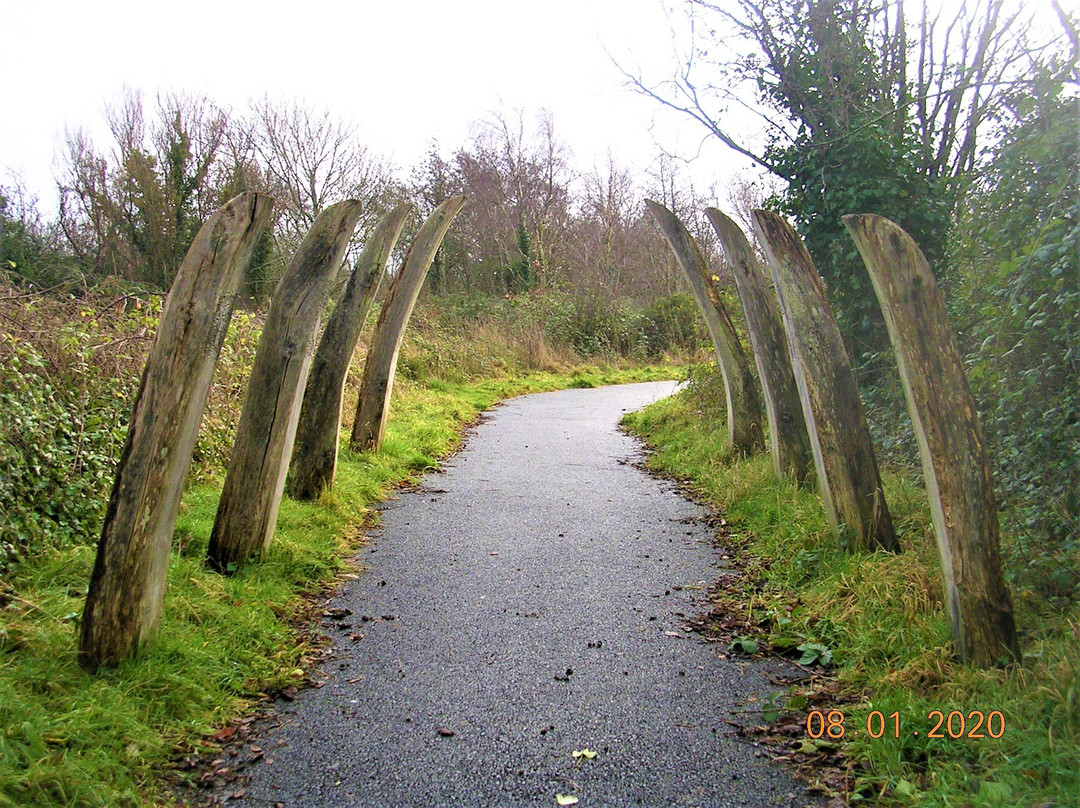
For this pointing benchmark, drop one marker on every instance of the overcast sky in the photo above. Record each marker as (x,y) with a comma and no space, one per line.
(405,72)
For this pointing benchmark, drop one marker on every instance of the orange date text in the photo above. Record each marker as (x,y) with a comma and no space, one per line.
(835,724)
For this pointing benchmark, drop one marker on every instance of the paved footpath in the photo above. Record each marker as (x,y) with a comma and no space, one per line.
(528,600)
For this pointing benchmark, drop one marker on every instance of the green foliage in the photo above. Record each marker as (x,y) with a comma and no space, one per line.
(868,169)
(591,323)
(743,645)
(65,421)
(671,324)
(519,275)
(814,652)
(1018,295)
(29,253)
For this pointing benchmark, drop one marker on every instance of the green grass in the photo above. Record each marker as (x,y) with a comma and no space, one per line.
(882,617)
(71,739)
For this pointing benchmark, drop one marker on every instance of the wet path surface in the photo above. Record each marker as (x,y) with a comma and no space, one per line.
(529,601)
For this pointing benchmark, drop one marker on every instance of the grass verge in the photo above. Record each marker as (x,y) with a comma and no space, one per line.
(878,622)
(71,739)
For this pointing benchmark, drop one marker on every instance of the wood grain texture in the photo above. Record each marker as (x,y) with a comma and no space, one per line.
(127,587)
(951,446)
(255,481)
(847,470)
(374,406)
(315,449)
(789,442)
(744,407)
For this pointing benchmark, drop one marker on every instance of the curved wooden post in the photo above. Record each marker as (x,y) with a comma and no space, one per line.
(954,459)
(316,447)
(743,399)
(847,470)
(255,481)
(374,405)
(127,588)
(788,439)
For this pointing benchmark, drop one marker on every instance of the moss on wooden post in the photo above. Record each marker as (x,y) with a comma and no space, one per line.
(847,470)
(127,588)
(255,480)
(743,398)
(789,442)
(954,459)
(374,405)
(316,446)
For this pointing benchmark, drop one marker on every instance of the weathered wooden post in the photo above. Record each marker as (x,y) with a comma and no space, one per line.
(316,447)
(374,405)
(847,470)
(255,480)
(788,438)
(743,398)
(954,459)
(127,588)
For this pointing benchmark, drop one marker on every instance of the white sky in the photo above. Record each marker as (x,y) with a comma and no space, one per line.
(405,71)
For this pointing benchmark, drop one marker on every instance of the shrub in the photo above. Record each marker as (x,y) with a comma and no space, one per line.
(66,385)
(671,323)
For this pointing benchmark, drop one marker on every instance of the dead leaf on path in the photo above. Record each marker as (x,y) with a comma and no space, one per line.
(588,754)
(566,799)
(445,732)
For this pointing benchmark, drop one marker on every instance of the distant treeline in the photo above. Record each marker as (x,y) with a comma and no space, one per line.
(130,209)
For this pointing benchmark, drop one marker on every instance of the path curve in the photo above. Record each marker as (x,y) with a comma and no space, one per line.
(528,599)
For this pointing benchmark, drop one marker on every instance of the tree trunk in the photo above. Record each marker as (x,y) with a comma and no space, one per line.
(847,470)
(954,459)
(788,438)
(374,405)
(255,481)
(316,447)
(743,399)
(127,588)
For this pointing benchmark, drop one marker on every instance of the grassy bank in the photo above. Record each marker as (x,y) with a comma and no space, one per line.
(69,368)
(112,740)
(879,621)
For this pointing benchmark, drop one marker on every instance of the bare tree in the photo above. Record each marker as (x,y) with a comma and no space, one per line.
(311,160)
(944,74)
(134,212)
(518,190)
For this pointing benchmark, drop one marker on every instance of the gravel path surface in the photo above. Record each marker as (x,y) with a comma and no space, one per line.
(527,603)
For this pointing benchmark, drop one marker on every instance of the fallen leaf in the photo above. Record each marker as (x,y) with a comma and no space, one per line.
(566,799)
(588,754)
(905,788)
(446,732)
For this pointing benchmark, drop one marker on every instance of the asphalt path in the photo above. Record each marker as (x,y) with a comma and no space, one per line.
(525,603)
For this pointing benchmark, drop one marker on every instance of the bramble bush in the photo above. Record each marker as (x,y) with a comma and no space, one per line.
(68,372)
